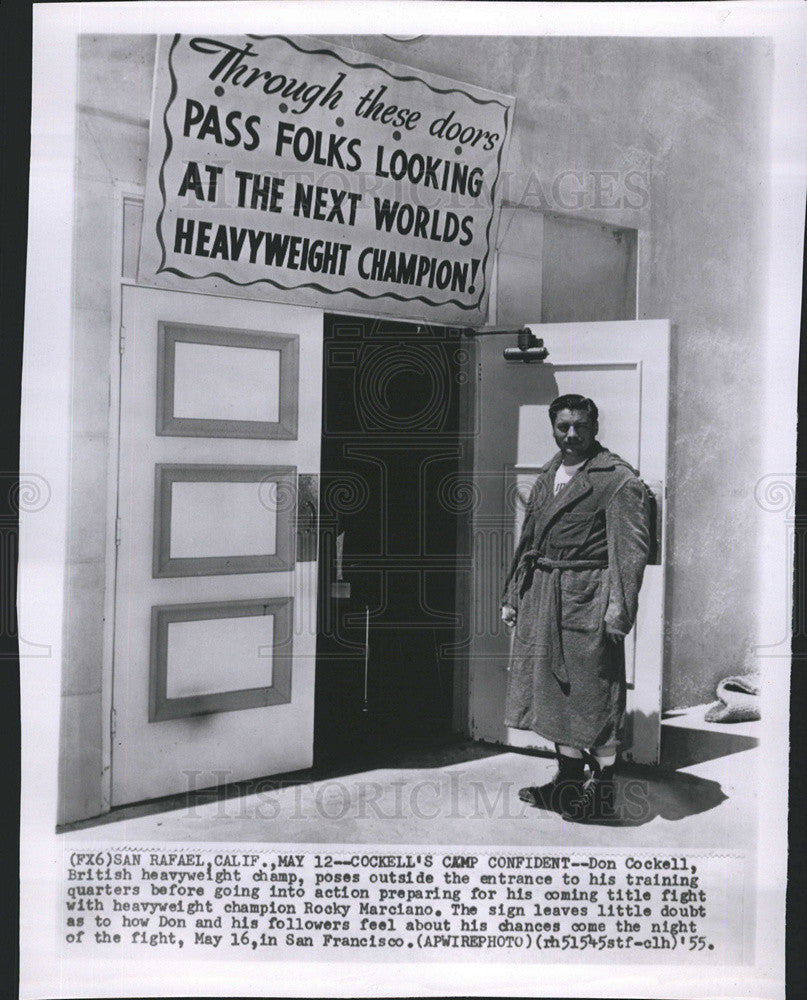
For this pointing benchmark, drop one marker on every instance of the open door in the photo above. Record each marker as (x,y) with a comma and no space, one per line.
(216,576)
(623,367)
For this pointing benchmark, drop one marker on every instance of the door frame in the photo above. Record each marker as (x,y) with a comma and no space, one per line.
(124,193)
(133,194)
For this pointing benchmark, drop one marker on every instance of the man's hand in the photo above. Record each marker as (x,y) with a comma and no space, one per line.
(509,615)
(613,636)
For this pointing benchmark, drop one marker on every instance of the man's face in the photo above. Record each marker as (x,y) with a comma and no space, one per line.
(574,432)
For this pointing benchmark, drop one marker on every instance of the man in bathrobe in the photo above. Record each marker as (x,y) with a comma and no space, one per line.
(571,596)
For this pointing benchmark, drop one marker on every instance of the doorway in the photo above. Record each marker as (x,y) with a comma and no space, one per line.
(391,535)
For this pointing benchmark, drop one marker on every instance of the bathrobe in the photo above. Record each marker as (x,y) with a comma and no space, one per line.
(578,567)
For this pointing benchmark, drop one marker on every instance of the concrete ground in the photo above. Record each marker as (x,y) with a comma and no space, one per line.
(703,795)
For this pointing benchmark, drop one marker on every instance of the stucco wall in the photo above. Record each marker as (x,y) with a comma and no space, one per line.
(666,137)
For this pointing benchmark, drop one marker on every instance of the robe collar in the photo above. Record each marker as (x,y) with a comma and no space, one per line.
(579,486)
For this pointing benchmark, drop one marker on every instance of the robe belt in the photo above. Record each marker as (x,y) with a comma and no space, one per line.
(554,567)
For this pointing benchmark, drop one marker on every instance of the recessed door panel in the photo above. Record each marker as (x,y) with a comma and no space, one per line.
(214,655)
(214,382)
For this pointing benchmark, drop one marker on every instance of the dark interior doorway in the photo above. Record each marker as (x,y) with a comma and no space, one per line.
(392,452)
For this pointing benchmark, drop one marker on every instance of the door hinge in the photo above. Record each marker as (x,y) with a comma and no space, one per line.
(122,339)
(117,532)
(113,721)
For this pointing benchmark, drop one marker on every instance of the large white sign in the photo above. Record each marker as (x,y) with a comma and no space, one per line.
(287,170)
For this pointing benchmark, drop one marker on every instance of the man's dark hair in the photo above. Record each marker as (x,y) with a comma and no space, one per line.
(571,401)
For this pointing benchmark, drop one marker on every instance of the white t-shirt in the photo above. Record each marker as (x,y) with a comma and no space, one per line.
(564,474)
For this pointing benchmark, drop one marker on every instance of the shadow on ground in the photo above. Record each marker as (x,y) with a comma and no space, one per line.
(415,754)
(685,747)
(644,793)
(647,793)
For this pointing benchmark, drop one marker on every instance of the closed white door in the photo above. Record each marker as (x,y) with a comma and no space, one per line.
(215,595)
(623,367)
